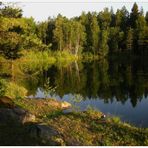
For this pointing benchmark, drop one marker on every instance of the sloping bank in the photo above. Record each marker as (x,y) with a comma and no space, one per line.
(42,122)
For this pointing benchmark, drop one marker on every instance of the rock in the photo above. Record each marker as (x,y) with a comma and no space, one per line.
(8,115)
(16,115)
(28,117)
(45,132)
(103,116)
(19,111)
(65,105)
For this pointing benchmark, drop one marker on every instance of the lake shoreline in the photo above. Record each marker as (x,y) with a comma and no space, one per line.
(90,127)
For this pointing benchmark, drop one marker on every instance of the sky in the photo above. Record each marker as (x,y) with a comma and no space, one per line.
(40,10)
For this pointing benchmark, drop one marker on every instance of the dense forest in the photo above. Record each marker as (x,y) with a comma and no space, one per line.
(93,33)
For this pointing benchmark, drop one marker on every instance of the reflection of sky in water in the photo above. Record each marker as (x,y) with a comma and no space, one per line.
(126,111)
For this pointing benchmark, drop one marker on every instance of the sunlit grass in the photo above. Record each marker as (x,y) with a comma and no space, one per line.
(15,91)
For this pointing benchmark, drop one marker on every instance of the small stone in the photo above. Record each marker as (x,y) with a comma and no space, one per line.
(103,116)
(28,117)
(65,105)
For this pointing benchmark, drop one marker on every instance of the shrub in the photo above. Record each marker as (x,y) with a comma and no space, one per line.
(2,87)
(15,91)
(116,119)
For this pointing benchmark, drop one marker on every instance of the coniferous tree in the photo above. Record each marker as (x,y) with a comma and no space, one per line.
(103,51)
(134,15)
(129,40)
(146,17)
(95,31)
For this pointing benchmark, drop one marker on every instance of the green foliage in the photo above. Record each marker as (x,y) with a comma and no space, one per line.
(95,30)
(54,114)
(146,17)
(48,89)
(2,87)
(42,31)
(75,100)
(116,119)
(114,39)
(64,56)
(104,18)
(33,61)
(68,34)
(103,51)
(10,11)
(83,129)
(97,33)
(10,44)
(129,42)
(15,91)
(134,15)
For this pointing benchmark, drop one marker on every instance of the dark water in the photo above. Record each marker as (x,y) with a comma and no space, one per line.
(116,87)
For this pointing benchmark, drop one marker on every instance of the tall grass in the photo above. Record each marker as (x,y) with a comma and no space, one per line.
(15,91)
(11,89)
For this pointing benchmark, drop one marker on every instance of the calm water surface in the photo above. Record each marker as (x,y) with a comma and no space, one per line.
(115,87)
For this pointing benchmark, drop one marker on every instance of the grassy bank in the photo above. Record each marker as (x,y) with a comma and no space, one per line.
(85,128)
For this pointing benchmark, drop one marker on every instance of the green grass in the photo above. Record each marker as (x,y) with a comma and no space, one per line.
(41,108)
(15,91)
(89,129)
(84,128)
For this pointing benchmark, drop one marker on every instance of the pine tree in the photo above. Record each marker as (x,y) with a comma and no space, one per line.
(103,51)
(129,40)
(134,15)
(95,30)
(146,17)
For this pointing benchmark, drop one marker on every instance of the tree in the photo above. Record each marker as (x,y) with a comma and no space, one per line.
(129,40)
(42,31)
(58,32)
(78,36)
(10,39)
(10,11)
(104,19)
(95,30)
(141,33)
(124,18)
(10,45)
(103,50)
(85,20)
(50,33)
(146,17)
(114,39)
(134,15)
(92,30)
